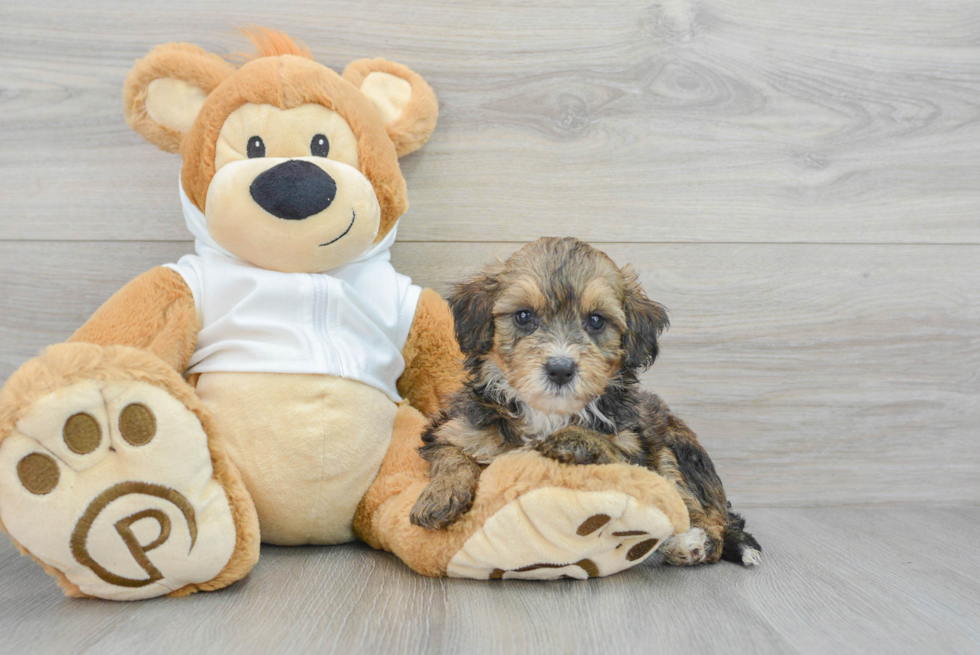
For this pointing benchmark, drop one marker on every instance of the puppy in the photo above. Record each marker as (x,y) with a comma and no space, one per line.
(554,339)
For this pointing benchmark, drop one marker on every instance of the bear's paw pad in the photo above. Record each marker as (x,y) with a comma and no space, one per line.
(554,532)
(111,484)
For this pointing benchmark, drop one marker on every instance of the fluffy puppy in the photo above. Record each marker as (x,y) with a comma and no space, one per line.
(554,339)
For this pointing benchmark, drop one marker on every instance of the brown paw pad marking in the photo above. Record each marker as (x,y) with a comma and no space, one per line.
(38,473)
(592,524)
(586,565)
(79,537)
(82,433)
(137,424)
(641,549)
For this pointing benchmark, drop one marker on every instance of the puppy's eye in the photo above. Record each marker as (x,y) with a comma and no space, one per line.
(524,317)
(596,322)
(256,147)
(319,146)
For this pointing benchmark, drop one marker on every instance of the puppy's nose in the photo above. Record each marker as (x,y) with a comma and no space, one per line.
(294,190)
(560,370)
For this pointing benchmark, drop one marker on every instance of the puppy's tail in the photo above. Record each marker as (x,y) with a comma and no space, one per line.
(740,547)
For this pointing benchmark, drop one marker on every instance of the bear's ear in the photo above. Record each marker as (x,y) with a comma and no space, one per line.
(407,104)
(165,91)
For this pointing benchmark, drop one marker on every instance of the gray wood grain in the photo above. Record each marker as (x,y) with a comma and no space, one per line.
(796,181)
(815,374)
(614,121)
(844,580)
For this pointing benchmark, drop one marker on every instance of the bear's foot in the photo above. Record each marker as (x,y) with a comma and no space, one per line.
(108,481)
(554,532)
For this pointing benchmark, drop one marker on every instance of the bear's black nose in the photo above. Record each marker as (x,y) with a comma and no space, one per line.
(294,190)
(560,370)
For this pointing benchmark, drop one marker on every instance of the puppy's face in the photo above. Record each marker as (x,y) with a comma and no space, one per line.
(556,324)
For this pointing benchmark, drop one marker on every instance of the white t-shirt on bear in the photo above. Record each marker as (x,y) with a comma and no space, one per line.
(351,321)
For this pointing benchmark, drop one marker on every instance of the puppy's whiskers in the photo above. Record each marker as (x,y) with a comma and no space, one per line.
(536,424)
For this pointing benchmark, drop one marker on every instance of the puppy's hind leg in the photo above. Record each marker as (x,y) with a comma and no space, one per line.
(453,478)
(702,544)
(716,532)
(697,546)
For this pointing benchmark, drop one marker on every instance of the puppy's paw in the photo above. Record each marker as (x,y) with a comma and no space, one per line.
(576,445)
(751,557)
(687,549)
(441,504)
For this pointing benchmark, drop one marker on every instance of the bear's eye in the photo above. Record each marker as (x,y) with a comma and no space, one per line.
(523,317)
(319,146)
(256,147)
(596,322)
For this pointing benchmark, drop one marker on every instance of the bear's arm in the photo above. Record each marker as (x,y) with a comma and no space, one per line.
(155,312)
(433,362)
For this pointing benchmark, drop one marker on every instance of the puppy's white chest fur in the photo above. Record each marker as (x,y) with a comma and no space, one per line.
(538,426)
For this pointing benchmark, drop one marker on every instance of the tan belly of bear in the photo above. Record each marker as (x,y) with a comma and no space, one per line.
(308,447)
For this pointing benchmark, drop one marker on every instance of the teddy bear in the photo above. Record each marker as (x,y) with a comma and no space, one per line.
(274,385)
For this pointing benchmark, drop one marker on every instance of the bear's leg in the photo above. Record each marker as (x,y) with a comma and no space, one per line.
(532,518)
(111,477)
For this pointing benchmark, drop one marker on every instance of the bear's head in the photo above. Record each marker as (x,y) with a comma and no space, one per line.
(294,166)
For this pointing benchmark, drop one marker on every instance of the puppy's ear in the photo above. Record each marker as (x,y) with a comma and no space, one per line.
(472,305)
(407,104)
(645,321)
(166,89)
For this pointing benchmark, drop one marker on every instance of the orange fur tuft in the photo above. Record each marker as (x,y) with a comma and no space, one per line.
(273,43)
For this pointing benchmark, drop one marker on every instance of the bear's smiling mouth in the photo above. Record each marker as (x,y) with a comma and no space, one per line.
(353,216)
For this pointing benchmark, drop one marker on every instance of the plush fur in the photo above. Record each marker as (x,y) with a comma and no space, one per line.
(179,97)
(554,340)
(283,76)
(147,331)
(183,61)
(433,362)
(162,318)
(272,43)
(383,521)
(67,364)
(418,118)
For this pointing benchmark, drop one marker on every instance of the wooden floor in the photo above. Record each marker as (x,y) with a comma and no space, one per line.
(798,181)
(835,580)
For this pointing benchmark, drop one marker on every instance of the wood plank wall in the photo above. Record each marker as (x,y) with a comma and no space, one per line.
(799,182)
